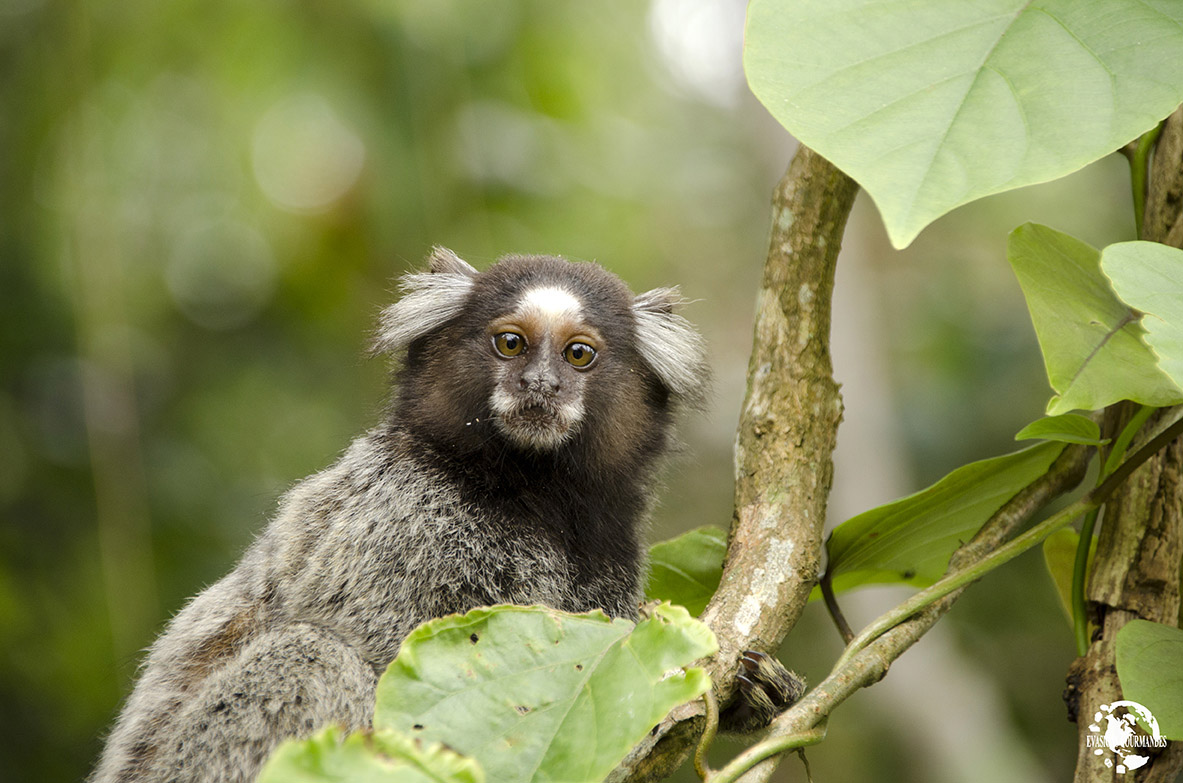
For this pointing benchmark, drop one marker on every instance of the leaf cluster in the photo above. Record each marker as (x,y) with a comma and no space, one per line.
(927,106)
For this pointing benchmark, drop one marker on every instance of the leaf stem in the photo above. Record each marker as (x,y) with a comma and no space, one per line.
(1080,567)
(1139,166)
(827,587)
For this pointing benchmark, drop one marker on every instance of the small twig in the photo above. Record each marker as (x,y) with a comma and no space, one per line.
(827,586)
(805,763)
(1064,474)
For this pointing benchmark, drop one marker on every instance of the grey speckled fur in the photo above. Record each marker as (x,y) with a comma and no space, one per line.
(434,511)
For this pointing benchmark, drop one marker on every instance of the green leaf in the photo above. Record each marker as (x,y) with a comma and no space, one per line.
(910,540)
(1150,667)
(1149,276)
(1059,555)
(366,757)
(685,570)
(537,694)
(1091,341)
(932,104)
(1066,428)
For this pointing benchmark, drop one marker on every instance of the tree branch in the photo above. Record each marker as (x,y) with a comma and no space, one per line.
(787,433)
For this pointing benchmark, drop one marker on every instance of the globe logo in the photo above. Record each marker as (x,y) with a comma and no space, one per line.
(1115,731)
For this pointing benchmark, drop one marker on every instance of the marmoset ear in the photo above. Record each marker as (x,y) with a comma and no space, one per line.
(670,345)
(430,299)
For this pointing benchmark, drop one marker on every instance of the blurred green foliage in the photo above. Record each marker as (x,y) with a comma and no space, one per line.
(202,206)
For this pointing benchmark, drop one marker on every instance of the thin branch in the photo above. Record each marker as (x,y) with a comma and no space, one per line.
(985,551)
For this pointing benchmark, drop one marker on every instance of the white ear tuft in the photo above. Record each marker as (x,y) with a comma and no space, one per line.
(429,300)
(670,345)
(445,261)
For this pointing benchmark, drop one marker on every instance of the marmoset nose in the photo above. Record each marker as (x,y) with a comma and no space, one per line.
(539,380)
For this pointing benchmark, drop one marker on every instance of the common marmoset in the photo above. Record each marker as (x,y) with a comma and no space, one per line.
(516,465)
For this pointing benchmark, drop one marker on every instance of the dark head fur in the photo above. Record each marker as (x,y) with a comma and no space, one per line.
(460,392)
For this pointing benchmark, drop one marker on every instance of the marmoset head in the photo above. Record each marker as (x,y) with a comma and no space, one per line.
(538,353)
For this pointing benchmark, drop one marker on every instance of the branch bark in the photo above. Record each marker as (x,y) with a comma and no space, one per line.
(786,437)
(1136,570)
(789,424)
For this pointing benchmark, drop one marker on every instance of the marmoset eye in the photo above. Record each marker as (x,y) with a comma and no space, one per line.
(509,344)
(579,354)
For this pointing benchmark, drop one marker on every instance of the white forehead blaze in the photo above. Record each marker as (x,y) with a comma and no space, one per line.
(552,302)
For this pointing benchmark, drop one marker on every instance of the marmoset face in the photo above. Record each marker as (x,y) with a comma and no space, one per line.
(547,353)
(540,354)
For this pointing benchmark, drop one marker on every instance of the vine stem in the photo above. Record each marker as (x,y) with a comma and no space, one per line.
(1139,166)
(711,705)
(1080,567)
(766,749)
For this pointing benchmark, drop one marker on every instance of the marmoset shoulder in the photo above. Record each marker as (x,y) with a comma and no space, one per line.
(516,464)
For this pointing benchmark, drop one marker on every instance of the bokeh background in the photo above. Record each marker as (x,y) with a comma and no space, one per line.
(203,205)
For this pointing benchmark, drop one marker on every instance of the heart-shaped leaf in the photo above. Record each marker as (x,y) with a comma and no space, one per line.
(930,104)
(1149,276)
(381,756)
(1150,667)
(539,695)
(1091,341)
